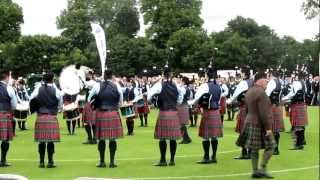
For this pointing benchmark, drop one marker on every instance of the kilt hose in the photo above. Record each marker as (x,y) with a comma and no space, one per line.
(241,117)
(183,113)
(167,126)
(211,125)
(46,128)
(223,105)
(277,117)
(108,125)
(89,115)
(6,129)
(253,137)
(298,115)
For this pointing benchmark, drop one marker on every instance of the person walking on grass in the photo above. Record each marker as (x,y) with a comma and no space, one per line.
(257,131)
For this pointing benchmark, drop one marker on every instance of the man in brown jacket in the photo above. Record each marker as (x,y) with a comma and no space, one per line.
(257,133)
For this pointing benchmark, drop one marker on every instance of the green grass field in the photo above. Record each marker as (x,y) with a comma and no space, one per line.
(136,154)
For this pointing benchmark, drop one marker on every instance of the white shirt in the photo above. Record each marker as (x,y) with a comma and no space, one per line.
(96,89)
(89,84)
(59,94)
(296,86)
(225,90)
(271,86)
(12,95)
(137,95)
(241,87)
(157,88)
(203,89)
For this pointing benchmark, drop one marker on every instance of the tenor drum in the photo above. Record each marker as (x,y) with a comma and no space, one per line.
(140,103)
(21,112)
(71,112)
(127,111)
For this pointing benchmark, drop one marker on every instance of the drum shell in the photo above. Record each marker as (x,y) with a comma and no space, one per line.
(71,114)
(20,114)
(127,111)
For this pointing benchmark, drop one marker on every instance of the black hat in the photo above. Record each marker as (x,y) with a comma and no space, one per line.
(166,70)
(212,72)
(48,77)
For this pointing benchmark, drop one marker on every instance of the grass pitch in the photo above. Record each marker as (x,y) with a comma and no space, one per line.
(136,154)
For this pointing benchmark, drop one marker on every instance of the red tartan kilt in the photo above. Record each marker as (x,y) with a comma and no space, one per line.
(108,125)
(211,125)
(183,113)
(168,126)
(89,115)
(277,116)
(298,115)
(143,110)
(223,105)
(6,129)
(241,117)
(46,128)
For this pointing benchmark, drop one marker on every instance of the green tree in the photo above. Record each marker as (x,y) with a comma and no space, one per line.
(311,8)
(166,17)
(75,23)
(184,43)
(11,18)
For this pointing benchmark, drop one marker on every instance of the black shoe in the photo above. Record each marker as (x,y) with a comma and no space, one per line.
(112,165)
(51,165)
(276,153)
(297,148)
(204,161)
(88,142)
(161,164)
(214,160)
(241,157)
(4,164)
(41,165)
(172,163)
(185,141)
(256,176)
(101,165)
(264,174)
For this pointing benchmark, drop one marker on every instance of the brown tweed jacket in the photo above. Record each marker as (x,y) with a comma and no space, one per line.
(259,108)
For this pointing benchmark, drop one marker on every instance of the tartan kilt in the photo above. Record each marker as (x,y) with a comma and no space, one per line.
(46,128)
(144,109)
(298,115)
(277,117)
(6,129)
(223,105)
(167,126)
(253,137)
(211,125)
(183,113)
(89,115)
(108,125)
(241,117)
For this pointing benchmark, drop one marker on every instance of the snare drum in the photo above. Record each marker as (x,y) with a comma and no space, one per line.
(21,112)
(140,103)
(71,112)
(127,111)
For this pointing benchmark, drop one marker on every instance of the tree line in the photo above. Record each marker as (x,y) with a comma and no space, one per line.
(174,33)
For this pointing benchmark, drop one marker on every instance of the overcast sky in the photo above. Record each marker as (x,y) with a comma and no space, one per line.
(284,16)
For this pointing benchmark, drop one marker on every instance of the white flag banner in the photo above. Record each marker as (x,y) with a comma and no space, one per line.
(100,37)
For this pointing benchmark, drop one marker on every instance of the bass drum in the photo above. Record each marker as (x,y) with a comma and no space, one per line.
(72,80)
